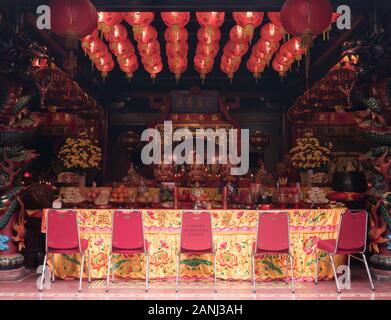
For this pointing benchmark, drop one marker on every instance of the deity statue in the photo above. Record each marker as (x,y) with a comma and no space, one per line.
(263,176)
(197,172)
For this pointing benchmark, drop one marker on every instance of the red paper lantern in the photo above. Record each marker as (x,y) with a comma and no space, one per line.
(235,49)
(213,19)
(229,65)
(294,47)
(91,37)
(267,47)
(129,65)
(254,67)
(207,50)
(284,60)
(208,35)
(122,48)
(117,33)
(101,53)
(306,18)
(145,34)
(248,20)
(275,18)
(238,34)
(139,18)
(270,32)
(154,69)
(176,34)
(110,18)
(177,49)
(172,19)
(281,69)
(73,19)
(149,49)
(203,65)
(177,66)
(105,69)
(93,46)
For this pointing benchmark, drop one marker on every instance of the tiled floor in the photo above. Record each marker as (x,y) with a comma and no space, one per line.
(26,289)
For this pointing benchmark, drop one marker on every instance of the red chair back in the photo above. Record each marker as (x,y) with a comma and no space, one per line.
(128,230)
(273,232)
(62,230)
(353,230)
(196,232)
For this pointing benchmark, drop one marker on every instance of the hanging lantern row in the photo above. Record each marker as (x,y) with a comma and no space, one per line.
(176,37)
(146,37)
(208,36)
(98,53)
(122,48)
(268,44)
(241,36)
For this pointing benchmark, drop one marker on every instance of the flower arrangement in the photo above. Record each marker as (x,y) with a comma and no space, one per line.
(309,154)
(80,154)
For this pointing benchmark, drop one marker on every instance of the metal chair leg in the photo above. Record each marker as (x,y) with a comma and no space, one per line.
(89,267)
(53,268)
(147,273)
(113,270)
(316,267)
(368,272)
(215,274)
(293,282)
(335,273)
(253,273)
(177,273)
(81,271)
(43,273)
(287,269)
(108,273)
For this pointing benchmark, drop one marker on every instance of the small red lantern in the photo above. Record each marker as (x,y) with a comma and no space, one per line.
(177,66)
(139,18)
(235,49)
(229,65)
(294,47)
(177,49)
(306,18)
(122,48)
(281,69)
(145,34)
(238,34)
(270,32)
(109,18)
(154,69)
(213,19)
(267,47)
(117,33)
(99,54)
(172,19)
(93,46)
(73,19)
(207,50)
(248,20)
(203,65)
(91,37)
(284,60)
(129,66)
(176,34)
(149,49)
(208,35)
(254,67)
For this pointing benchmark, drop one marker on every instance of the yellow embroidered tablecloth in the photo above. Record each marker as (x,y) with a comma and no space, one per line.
(234,234)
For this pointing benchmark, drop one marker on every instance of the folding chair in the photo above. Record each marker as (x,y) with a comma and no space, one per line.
(128,239)
(351,239)
(273,238)
(63,237)
(196,238)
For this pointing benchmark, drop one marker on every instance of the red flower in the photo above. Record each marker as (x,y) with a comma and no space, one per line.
(164,244)
(240,214)
(310,245)
(223,245)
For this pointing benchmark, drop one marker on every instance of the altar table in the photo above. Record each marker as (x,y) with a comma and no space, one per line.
(234,234)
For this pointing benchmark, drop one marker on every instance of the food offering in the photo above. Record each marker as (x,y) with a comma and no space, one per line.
(121,195)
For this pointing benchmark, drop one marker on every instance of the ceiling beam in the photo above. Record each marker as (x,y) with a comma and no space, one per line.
(192,5)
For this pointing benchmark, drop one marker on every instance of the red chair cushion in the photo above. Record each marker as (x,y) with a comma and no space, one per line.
(329,246)
(83,244)
(128,251)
